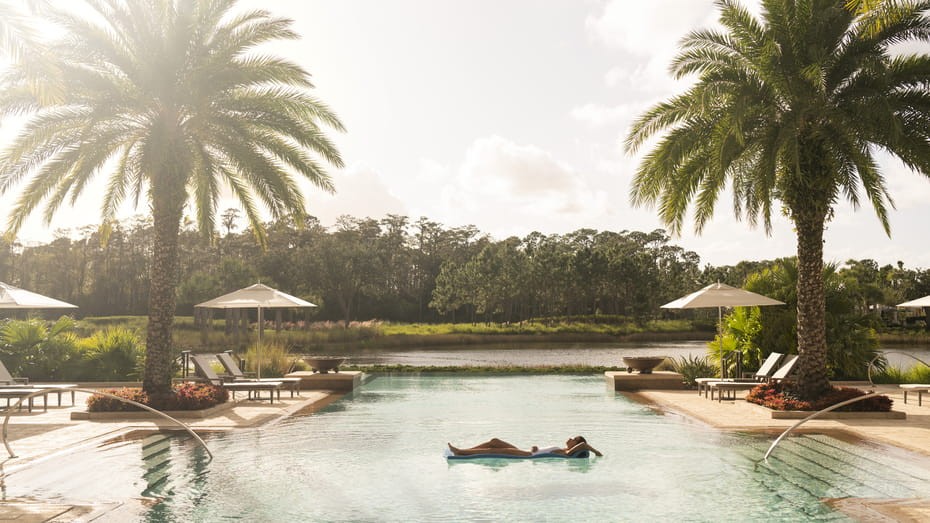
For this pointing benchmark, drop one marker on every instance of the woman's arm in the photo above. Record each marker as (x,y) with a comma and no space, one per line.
(583,446)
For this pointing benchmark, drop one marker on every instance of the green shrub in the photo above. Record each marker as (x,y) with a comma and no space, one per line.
(38,349)
(187,396)
(851,339)
(693,367)
(916,374)
(113,354)
(667,364)
(890,374)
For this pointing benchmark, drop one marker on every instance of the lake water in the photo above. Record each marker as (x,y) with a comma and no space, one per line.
(541,354)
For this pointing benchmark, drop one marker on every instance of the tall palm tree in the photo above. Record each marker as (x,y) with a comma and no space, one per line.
(790,108)
(20,42)
(15,29)
(166,98)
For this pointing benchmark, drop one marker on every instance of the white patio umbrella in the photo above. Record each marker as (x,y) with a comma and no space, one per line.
(919,303)
(15,298)
(259,297)
(721,295)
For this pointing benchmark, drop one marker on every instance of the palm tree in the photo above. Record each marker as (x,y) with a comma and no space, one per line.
(15,30)
(790,107)
(19,41)
(165,97)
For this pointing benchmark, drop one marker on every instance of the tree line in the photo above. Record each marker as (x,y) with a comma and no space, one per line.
(405,270)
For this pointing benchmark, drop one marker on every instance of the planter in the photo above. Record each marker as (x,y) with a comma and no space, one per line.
(643,364)
(324,364)
(142,414)
(833,415)
(801,414)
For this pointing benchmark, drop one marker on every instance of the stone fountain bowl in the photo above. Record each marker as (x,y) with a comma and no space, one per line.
(324,364)
(643,364)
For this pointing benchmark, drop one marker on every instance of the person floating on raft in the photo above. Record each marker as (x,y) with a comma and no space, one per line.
(573,447)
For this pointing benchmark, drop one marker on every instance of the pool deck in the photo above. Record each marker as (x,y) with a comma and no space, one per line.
(43,435)
(911,434)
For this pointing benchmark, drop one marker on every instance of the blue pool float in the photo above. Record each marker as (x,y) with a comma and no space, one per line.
(577,455)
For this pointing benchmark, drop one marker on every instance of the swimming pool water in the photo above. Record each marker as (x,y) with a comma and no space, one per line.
(377,455)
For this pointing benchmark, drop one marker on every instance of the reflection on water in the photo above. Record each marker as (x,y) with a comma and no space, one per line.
(541,354)
(526,354)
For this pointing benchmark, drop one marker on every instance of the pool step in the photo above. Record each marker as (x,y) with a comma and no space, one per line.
(156,453)
(826,467)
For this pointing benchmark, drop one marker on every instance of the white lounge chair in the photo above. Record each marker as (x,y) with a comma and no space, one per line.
(232,368)
(919,388)
(7,379)
(205,371)
(764,373)
(23,392)
(20,387)
(783,373)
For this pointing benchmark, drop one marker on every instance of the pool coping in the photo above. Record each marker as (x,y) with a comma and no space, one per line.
(84,415)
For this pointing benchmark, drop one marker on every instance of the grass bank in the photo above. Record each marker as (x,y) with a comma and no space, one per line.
(904,337)
(327,336)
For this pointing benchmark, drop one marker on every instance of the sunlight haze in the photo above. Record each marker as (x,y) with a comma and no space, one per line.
(511,116)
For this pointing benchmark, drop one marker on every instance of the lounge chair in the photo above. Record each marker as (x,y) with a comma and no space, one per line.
(22,392)
(783,373)
(20,387)
(764,373)
(7,379)
(232,368)
(919,388)
(206,373)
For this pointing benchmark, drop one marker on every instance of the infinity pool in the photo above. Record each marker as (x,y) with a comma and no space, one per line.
(377,455)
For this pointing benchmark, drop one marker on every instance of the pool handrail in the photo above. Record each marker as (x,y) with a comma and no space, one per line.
(813,416)
(9,411)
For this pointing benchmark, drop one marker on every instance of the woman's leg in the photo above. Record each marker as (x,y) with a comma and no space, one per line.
(494,443)
(510,451)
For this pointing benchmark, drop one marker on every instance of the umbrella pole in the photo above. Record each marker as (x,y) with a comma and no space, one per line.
(258,352)
(720,340)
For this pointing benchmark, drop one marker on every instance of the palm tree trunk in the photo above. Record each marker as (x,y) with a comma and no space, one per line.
(812,344)
(167,208)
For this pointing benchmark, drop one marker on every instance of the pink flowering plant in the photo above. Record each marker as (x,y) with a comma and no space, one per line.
(778,396)
(187,396)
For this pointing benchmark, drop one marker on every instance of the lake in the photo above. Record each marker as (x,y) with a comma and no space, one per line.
(555,353)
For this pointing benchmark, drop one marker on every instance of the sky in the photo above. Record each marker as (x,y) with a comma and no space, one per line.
(511,115)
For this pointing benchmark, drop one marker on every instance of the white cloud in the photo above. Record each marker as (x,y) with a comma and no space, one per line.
(512,189)
(908,189)
(360,192)
(498,164)
(595,114)
(643,28)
